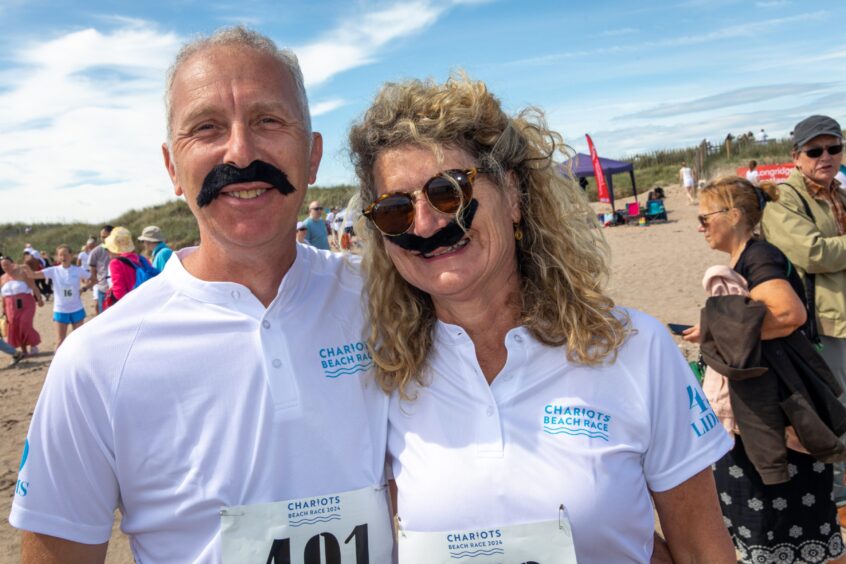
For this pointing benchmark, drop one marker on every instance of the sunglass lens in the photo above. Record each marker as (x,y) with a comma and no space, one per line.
(814,153)
(835,149)
(444,196)
(393,215)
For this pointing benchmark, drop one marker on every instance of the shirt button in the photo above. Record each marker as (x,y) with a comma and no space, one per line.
(490,411)
(265,324)
(236,294)
(518,339)
(277,363)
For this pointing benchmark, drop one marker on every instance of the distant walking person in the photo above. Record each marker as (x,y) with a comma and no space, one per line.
(67,282)
(98,265)
(688,182)
(752,173)
(154,242)
(20,294)
(317,230)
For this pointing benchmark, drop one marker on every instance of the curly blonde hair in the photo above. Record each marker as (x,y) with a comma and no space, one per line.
(562,257)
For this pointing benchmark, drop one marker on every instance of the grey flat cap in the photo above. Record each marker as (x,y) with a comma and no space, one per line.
(815,126)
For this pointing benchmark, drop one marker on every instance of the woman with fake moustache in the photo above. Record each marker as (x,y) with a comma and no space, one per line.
(531,418)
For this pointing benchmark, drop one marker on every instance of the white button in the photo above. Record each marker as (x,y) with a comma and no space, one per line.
(236,294)
(490,410)
(265,324)
(518,338)
(277,363)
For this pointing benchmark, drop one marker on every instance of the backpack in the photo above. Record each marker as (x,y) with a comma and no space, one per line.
(142,273)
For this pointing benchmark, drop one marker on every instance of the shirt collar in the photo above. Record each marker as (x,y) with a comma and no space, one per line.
(236,295)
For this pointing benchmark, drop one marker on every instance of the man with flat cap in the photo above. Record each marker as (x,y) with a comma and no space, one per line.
(155,244)
(808,223)
(227,421)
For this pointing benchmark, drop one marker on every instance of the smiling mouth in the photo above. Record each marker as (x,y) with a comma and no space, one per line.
(246,194)
(446,250)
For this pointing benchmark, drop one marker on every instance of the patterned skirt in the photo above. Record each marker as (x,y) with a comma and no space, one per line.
(791,522)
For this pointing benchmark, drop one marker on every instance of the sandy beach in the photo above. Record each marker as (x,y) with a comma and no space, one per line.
(656,268)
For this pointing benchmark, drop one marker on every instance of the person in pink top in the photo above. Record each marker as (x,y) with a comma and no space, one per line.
(120,246)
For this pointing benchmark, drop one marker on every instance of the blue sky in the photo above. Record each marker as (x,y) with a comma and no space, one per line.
(81,83)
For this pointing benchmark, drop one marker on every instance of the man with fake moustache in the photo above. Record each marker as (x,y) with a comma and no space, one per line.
(228,422)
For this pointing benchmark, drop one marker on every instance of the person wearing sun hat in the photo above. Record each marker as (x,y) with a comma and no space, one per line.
(120,246)
(154,241)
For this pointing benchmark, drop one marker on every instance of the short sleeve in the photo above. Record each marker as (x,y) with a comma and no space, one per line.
(66,485)
(49,272)
(83,273)
(685,435)
(762,262)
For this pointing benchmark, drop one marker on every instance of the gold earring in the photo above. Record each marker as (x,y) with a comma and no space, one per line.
(518,233)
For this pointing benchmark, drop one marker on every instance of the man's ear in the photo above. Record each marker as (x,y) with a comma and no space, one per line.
(315,156)
(171,169)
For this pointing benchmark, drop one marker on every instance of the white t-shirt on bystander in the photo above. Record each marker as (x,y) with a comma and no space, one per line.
(66,287)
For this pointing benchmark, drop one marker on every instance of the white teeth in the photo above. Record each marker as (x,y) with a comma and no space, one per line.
(247,194)
(447,250)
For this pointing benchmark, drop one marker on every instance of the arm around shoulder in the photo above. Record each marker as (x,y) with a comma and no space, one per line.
(44,549)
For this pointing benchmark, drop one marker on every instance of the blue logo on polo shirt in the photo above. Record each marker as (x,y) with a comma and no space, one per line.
(473,544)
(345,359)
(704,417)
(22,487)
(314,510)
(581,421)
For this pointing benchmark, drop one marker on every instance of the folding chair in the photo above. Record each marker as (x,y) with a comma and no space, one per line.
(655,211)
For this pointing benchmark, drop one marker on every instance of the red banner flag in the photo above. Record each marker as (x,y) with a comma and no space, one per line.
(601,185)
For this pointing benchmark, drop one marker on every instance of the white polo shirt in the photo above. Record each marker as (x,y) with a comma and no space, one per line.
(547,432)
(189,395)
(66,286)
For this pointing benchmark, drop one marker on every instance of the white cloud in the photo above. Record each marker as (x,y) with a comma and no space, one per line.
(729,98)
(356,41)
(618,32)
(81,120)
(720,34)
(326,106)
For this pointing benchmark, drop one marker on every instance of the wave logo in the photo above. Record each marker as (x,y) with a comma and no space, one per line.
(476,553)
(576,421)
(345,359)
(475,544)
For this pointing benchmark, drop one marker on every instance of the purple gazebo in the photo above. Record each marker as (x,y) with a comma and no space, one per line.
(581,166)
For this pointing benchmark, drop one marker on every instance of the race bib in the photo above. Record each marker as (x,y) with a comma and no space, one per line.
(345,528)
(547,542)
